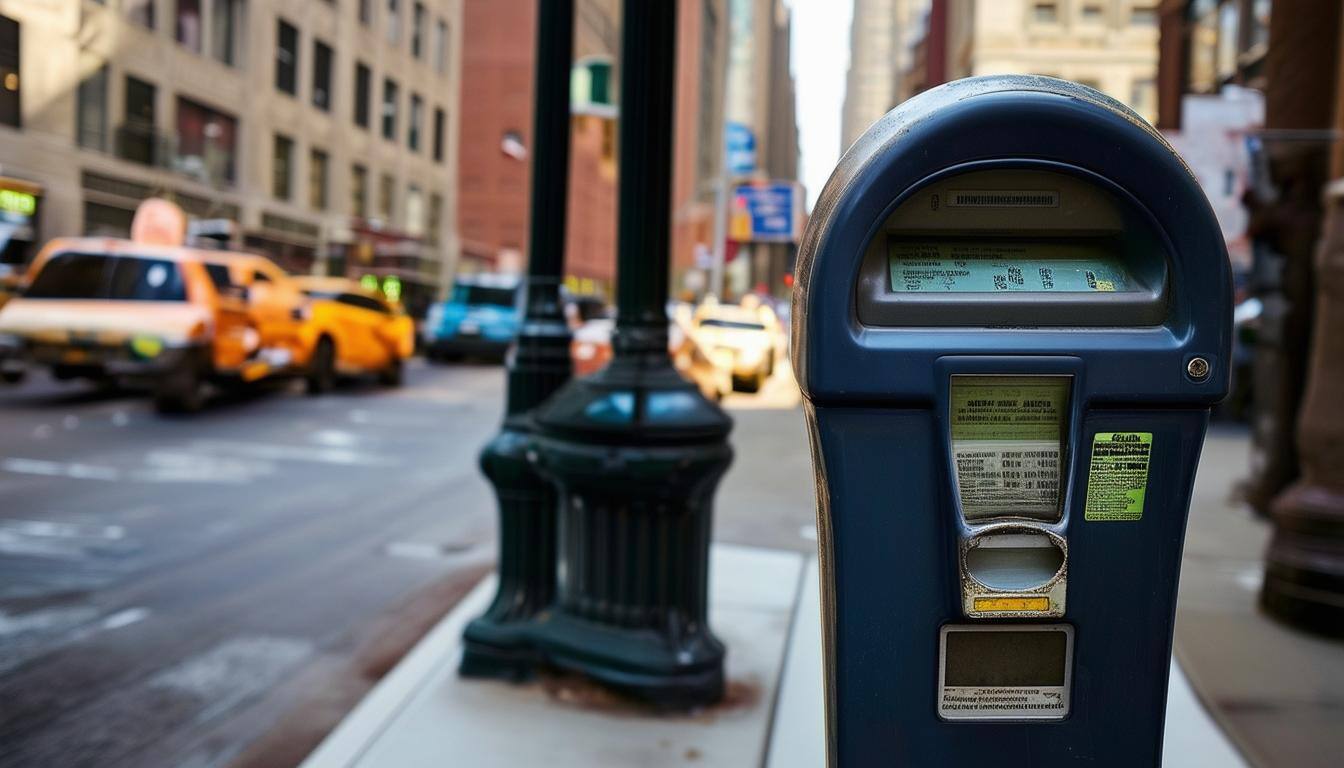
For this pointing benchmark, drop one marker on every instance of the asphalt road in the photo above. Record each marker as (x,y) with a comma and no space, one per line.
(171,588)
(159,575)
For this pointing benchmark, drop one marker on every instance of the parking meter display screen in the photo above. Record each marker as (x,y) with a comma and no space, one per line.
(1008,444)
(1005,673)
(1005,266)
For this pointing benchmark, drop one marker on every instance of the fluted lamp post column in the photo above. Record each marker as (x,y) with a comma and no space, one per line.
(636,451)
(497,644)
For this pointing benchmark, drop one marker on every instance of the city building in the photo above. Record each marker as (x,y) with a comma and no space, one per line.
(760,97)
(1207,44)
(497,91)
(323,134)
(702,53)
(883,39)
(1109,45)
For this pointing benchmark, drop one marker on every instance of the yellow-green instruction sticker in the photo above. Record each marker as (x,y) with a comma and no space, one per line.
(1119,475)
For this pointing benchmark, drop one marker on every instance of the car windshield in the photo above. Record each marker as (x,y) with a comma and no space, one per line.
(714,322)
(479,294)
(102,276)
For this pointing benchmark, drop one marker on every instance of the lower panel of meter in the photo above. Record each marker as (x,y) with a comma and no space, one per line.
(1004,672)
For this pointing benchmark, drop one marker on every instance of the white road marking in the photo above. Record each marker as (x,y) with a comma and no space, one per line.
(165,466)
(334,438)
(279,452)
(233,671)
(124,618)
(120,419)
(44,620)
(62,530)
(60,469)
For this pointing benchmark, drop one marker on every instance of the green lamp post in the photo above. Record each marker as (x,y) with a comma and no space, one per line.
(635,451)
(497,644)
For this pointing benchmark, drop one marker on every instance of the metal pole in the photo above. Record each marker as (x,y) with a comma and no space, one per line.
(648,61)
(497,644)
(635,450)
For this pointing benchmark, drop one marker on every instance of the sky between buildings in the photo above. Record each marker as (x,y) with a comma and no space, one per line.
(820,58)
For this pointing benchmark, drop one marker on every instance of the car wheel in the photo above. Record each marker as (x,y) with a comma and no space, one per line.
(181,391)
(322,368)
(12,377)
(393,374)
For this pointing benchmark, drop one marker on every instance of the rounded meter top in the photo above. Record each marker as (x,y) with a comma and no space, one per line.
(1011,215)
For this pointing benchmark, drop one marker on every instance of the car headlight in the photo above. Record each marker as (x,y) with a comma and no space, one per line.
(146,346)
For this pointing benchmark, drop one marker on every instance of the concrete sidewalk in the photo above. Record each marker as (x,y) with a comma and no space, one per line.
(1270,691)
(1276,691)
(423,712)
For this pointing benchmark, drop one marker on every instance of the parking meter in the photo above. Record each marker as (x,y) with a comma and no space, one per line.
(1011,319)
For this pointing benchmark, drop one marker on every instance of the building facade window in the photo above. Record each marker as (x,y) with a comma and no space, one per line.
(282,166)
(321,75)
(140,11)
(415,211)
(286,58)
(389,110)
(91,112)
(187,24)
(136,138)
(393,26)
(1045,13)
(11,112)
(363,85)
(1092,14)
(226,20)
(366,12)
(414,118)
(386,189)
(440,123)
(435,226)
(359,191)
(207,143)
(441,46)
(317,179)
(1143,16)
(418,30)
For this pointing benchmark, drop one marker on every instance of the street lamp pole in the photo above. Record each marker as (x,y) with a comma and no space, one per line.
(497,643)
(636,451)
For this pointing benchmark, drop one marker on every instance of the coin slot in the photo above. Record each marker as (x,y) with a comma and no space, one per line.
(1014,562)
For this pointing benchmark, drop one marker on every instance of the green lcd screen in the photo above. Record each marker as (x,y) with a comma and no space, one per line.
(920,265)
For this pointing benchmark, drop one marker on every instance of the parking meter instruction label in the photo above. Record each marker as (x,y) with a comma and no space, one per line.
(1006,444)
(1118,477)
(923,266)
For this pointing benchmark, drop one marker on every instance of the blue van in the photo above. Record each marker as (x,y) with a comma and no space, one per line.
(479,319)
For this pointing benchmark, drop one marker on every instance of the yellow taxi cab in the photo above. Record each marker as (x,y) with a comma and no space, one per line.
(170,317)
(349,330)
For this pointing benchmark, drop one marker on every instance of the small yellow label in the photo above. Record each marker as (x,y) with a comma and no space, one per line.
(1011,604)
(1106,285)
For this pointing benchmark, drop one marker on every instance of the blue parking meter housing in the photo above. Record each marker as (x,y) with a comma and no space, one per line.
(1011,319)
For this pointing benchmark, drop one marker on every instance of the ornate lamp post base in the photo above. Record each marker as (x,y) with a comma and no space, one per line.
(496,644)
(636,453)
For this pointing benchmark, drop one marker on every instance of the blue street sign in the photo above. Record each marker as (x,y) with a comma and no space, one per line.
(772,209)
(741,145)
